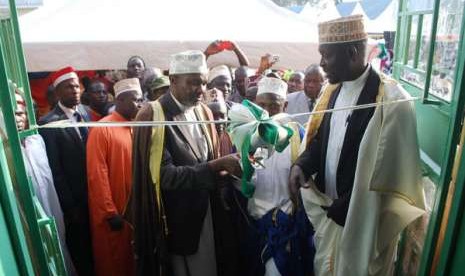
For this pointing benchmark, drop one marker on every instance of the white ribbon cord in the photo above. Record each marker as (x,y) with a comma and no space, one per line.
(68,123)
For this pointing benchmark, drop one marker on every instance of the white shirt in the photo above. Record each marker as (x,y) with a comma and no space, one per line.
(348,96)
(69,112)
(194,129)
(271,188)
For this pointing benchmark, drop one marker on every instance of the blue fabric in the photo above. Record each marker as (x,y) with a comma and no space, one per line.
(296,9)
(346,9)
(301,132)
(288,240)
(374,8)
(37,75)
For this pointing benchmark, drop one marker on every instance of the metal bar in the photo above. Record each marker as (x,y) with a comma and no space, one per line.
(10,208)
(451,221)
(12,53)
(60,261)
(21,177)
(405,13)
(6,47)
(429,64)
(418,40)
(28,132)
(413,70)
(453,226)
(49,231)
(22,64)
(398,39)
(457,109)
(407,39)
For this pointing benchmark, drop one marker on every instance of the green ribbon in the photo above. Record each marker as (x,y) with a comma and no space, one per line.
(383,51)
(251,120)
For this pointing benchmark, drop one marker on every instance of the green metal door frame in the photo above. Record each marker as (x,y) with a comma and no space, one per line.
(457,110)
(22,180)
(453,264)
(458,201)
(449,115)
(43,256)
(12,219)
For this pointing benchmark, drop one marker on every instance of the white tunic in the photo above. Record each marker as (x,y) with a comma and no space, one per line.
(38,169)
(387,196)
(188,114)
(348,96)
(271,191)
(271,185)
(203,262)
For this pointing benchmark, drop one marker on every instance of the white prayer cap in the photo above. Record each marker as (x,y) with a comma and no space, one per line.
(188,62)
(127,85)
(220,70)
(272,85)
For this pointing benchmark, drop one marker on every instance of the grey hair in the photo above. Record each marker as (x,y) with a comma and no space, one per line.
(302,74)
(314,68)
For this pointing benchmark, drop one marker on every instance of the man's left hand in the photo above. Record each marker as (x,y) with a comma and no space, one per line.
(116,222)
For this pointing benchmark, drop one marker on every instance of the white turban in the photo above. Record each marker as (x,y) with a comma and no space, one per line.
(220,70)
(188,62)
(272,85)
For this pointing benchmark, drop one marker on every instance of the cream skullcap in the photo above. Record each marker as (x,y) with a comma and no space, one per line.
(188,62)
(272,85)
(342,30)
(220,70)
(127,85)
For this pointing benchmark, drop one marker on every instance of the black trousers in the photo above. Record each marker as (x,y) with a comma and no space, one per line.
(78,240)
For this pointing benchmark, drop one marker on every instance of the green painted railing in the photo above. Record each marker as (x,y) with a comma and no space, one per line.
(33,235)
(439,124)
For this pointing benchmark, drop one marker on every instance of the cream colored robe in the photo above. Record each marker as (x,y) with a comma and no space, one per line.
(387,195)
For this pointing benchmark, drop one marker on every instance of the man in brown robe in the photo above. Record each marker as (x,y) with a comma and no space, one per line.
(177,221)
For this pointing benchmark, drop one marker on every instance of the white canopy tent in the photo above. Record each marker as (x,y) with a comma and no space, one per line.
(327,10)
(386,21)
(103,34)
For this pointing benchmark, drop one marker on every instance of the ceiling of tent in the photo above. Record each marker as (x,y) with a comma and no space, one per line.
(102,34)
(380,15)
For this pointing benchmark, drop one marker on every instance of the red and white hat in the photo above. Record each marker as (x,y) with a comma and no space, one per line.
(63,74)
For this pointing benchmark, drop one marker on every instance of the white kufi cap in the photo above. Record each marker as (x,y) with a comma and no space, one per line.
(272,85)
(188,62)
(220,70)
(127,85)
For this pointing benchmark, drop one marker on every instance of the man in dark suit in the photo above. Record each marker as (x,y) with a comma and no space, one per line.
(179,224)
(66,151)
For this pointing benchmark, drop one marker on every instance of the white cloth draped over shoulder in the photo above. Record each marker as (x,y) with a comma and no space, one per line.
(387,195)
(38,168)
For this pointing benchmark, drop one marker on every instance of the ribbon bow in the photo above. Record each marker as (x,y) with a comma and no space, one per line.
(250,129)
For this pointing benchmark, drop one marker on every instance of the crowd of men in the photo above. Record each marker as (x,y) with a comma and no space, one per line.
(166,199)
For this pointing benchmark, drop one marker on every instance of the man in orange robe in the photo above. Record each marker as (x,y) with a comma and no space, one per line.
(109,169)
